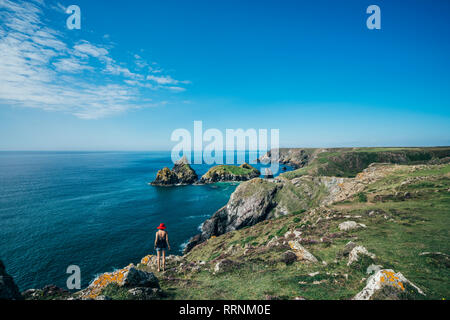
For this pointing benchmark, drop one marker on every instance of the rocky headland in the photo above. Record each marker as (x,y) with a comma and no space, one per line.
(374,234)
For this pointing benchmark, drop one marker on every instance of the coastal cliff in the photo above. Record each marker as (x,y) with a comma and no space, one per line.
(320,182)
(304,235)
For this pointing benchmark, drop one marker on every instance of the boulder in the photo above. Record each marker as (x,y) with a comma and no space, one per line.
(225,265)
(295,234)
(350,225)
(437,258)
(385,284)
(8,288)
(138,278)
(145,293)
(356,252)
(301,253)
(126,277)
(289,257)
(373,268)
(348,248)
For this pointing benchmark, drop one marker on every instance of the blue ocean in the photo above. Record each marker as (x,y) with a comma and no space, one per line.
(92,209)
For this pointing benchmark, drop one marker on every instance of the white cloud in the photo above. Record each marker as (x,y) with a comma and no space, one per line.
(177,89)
(71,65)
(163,80)
(40,69)
(86,48)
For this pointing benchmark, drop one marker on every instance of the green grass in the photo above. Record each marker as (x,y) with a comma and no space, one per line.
(228,169)
(396,234)
(115,292)
(349,162)
(362,197)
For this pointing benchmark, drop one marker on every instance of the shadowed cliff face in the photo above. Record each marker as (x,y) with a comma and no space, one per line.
(8,289)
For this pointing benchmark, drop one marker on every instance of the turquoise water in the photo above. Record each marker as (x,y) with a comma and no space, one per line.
(92,209)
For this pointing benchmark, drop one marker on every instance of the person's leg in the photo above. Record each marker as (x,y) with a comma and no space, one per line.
(158,257)
(164,259)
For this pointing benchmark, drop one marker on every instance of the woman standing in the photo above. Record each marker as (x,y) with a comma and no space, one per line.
(162,244)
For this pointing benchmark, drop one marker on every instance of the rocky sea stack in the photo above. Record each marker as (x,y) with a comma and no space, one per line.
(181,174)
(224,173)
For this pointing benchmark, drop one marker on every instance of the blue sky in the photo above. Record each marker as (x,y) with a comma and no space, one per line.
(138,70)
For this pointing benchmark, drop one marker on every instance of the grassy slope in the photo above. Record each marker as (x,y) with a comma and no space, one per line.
(397,233)
(347,162)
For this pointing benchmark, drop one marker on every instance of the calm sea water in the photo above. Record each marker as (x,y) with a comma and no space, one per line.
(92,209)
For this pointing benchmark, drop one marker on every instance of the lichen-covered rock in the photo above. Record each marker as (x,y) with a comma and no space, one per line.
(223,173)
(8,288)
(138,278)
(356,252)
(301,253)
(126,277)
(350,225)
(387,285)
(225,265)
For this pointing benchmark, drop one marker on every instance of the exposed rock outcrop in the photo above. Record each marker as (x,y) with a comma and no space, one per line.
(249,204)
(350,225)
(260,199)
(128,277)
(223,173)
(8,288)
(387,285)
(181,174)
(356,252)
(49,292)
(296,157)
(301,253)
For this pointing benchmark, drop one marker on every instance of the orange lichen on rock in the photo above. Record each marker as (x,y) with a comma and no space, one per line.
(359,176)
(103,280)
(390,277)
(146,259)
